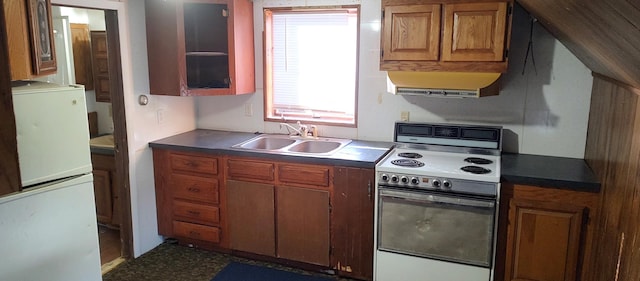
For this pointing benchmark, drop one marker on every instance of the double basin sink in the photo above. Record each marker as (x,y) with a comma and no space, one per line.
(285,144)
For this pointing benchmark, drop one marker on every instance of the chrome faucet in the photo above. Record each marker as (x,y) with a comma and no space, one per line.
(302,130)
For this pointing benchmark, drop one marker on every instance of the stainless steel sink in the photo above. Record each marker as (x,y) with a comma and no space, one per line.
(285,144)
(268,143)
(315,146)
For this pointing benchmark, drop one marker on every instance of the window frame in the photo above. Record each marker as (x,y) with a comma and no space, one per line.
(268,72)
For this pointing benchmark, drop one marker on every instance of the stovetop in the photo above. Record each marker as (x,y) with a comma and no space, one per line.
(438,164)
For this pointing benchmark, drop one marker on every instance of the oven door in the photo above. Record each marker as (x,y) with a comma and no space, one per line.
(444,227)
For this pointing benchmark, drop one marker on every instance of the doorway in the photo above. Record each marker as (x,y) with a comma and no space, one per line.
(93,60)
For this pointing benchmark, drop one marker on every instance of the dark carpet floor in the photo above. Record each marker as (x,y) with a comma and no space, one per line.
(171,262)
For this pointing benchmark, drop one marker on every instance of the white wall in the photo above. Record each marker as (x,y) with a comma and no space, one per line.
(544,113)
(141,121)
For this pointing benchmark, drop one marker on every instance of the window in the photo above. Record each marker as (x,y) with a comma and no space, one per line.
(311,65)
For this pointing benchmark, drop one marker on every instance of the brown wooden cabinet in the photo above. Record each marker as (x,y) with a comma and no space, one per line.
(18,28)
(81,41)
(352,222)
(106,189)
(100,65)
(189,197)
(548,233)
(445,35)
(252,217)
(279,209)
(283,210)
(200,47)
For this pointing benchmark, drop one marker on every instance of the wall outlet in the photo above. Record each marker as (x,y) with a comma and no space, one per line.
(404,116)
(160,115)
(248,109)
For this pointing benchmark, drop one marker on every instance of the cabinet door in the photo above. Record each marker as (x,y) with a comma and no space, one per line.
(303,224)
(251,217)
(543,240)
(100,65)
(102,193)
(82,54)
(352,222)
(474,31)
(411,32)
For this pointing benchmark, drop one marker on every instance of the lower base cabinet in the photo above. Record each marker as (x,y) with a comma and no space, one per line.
(106,188)
(279,209)
(303,224)
(251,217)
(302,213)
(548,234)
(352,222)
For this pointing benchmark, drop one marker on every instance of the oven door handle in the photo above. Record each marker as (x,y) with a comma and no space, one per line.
(437,198)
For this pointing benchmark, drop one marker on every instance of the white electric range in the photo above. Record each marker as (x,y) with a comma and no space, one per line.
(437,203)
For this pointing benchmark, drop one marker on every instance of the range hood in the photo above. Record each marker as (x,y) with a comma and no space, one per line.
(443,84)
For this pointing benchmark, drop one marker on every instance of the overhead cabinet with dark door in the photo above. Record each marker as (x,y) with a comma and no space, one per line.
(200,48)
(29,32)
(445,35)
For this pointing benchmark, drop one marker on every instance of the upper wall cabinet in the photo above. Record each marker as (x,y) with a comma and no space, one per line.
(200,47)
(445,36)
(30,37)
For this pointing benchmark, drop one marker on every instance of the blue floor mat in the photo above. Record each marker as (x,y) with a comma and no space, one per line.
(236,271)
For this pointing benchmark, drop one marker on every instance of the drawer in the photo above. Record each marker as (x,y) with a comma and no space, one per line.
(203,214)
(196,231)
(195,188)
(194,164)
(243,169)
(304,174)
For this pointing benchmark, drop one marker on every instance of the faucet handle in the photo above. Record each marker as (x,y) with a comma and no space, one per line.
(314,131)
(304,131)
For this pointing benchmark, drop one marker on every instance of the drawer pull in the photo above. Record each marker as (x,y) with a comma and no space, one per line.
(194,233)
(194,189)
(195,213)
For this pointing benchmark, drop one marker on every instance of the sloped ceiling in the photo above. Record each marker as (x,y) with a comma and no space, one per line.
(603,34)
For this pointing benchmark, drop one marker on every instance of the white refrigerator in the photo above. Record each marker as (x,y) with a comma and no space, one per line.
(49,229)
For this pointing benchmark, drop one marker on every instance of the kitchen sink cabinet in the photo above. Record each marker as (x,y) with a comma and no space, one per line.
(279,209)
(303,224)
(548,232)
(445,35)
(200,47)
(106,189)
(352,222)
(189,198)
(317,215)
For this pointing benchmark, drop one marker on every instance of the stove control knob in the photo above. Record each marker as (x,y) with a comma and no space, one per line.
(435,183)
(404,179)
(394,178)
(384,177)
(446,184)
(414,180)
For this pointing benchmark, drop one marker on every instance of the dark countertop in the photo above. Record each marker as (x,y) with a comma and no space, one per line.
(547,171)
(360,154)
(102,150)
(544,171)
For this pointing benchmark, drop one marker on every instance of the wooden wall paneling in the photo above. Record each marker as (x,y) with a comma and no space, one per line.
(604,35)
(9,169)
(631,184)
(617,166)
